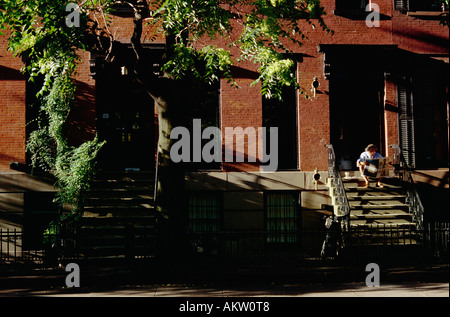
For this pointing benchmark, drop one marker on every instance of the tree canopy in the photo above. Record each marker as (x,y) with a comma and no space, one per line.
(203,39)
(259,29)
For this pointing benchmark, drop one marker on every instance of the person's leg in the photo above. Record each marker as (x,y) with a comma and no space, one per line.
(379,183)
(366,179)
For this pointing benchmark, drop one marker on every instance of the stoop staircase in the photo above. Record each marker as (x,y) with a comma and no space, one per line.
(379,217)
(373,220)
(374,206)
(119,219)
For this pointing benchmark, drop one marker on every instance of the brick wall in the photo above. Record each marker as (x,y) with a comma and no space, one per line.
(12,108)
(242,107)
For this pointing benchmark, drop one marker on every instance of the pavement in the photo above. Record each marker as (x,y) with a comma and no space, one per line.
(350,282)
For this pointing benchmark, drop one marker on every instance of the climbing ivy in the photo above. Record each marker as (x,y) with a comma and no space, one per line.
(39,34)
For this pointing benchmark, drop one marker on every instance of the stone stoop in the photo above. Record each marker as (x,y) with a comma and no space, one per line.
(377,215)
(119,219)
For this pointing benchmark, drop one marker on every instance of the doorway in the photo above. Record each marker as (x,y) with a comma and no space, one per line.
(125,116)
(356,108)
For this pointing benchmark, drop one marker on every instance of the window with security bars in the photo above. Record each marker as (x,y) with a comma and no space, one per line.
(204,212)
(420,5)
(282,216)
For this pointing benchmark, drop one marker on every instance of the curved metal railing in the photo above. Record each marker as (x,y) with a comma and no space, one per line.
(343,213)
(403,171)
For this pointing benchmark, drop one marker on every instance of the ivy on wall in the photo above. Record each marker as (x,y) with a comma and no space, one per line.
(38,33)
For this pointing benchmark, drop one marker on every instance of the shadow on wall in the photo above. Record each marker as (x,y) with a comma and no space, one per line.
(423,39)
(82,116)
(7,73)
(6,159)
(433,188)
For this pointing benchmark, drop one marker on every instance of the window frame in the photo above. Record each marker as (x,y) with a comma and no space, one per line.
(218,195)
(280,237)
(267,105)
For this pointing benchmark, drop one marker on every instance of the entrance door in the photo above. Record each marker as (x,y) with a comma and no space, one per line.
(125,119)
(356,99)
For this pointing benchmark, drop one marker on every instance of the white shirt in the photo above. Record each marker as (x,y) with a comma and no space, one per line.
(366,156)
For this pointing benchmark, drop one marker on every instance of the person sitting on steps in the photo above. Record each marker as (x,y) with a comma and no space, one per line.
(369,153)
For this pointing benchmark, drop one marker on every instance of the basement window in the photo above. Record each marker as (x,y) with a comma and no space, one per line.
(204,212)
(282,211)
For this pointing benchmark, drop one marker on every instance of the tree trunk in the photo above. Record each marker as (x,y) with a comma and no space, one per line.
(170,200)
(169,96)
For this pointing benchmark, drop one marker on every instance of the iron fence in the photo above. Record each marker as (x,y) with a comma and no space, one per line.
(404,244)
(15,255)
(382,243)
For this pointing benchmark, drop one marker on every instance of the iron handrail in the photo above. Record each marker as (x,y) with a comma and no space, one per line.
(403,170)
(343,205)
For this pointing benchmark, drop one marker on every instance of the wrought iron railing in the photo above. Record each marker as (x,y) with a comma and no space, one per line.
(343,213)
(403,171)
(257,247)
(14,254)
(390,243)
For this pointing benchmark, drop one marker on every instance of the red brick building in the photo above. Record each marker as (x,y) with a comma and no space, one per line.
(383,83)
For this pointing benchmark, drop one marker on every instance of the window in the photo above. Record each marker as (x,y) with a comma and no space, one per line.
(425,5)
(282,216)
(401,5)
(351,4)
(204,104)
(283,115)
(204,212)
(420,5)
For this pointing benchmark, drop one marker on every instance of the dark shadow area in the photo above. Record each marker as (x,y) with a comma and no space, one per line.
(358,14)
(424,37)
(149,280)
(82,117)
(7,73)
(435,201)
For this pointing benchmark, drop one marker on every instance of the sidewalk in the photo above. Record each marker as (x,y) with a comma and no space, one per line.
(300,282)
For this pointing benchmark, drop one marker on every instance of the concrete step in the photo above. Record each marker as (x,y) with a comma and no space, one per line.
(124,200)
(379,222)
(352,187)
(380,214)
(124,181)
(125,175)
(377,204)
(116,239)
(119,220)
(120,209)
(356,187)
(116,252)
(371,196)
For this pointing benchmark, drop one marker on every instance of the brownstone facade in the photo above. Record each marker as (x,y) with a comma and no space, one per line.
(359,70)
